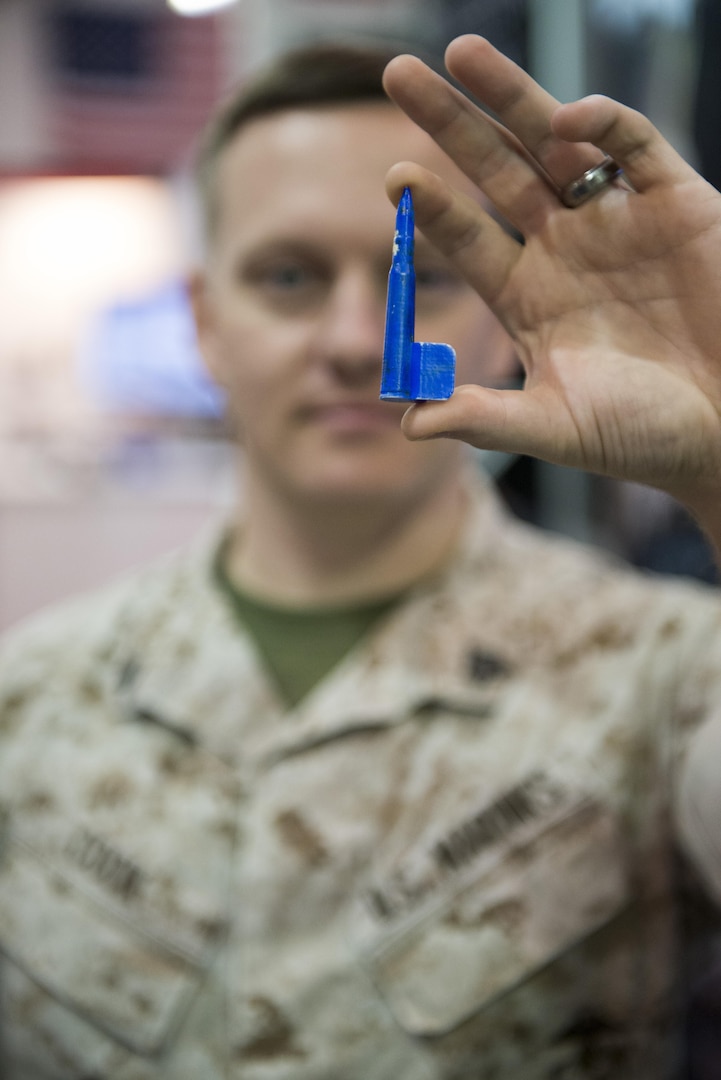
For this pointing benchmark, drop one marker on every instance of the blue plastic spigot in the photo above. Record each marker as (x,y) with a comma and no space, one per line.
(412,370)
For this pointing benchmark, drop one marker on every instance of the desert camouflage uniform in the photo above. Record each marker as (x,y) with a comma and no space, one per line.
(453,859)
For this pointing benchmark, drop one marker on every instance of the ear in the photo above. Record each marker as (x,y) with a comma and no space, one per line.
(204,316)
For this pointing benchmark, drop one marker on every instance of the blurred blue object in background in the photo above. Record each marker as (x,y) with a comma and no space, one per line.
(141,356)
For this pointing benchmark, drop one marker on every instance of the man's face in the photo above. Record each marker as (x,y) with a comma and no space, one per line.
(291,313)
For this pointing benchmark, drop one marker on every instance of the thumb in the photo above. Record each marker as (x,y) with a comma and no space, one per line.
(513,421)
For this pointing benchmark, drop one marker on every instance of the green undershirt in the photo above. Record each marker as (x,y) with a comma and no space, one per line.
(299,645)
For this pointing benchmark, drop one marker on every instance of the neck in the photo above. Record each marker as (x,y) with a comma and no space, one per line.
(296,554)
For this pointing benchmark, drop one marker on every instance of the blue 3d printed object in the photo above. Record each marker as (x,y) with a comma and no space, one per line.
(412,370)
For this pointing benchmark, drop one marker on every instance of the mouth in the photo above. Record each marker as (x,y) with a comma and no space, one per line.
(355,417)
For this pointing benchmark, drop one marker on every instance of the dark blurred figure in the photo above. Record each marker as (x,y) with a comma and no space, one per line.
(699,927)
(704,1029)
(618,52)
(503,22)
(707,105)
(679,547)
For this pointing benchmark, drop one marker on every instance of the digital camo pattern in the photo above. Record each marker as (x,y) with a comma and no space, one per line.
(453,860)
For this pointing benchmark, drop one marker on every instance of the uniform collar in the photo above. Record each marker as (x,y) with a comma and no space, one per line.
(194,671)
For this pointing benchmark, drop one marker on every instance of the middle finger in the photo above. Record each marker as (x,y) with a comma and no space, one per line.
(521,105)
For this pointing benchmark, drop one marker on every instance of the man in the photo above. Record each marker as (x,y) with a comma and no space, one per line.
(381,784)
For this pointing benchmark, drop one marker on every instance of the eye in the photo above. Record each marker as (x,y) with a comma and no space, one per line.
(437,285)
(435,277)
(286,283)
(287,276)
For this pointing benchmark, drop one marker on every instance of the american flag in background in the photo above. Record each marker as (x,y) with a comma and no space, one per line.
(130,87)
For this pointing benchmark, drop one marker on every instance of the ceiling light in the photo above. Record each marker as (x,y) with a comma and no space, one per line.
(198,7)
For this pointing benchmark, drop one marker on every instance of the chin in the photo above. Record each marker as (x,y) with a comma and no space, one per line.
(342,481)
(349,493)
(381,489)
(412,472)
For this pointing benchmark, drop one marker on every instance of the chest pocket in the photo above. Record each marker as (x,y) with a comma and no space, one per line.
(88,932)
(490,925)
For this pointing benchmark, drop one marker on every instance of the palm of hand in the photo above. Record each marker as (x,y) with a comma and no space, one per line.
(608,309)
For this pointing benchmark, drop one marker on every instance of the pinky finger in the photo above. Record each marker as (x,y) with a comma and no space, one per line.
(627,136)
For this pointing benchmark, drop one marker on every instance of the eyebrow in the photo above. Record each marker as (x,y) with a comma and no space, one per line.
(279,247)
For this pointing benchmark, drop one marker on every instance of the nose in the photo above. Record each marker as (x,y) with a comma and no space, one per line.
(352,327)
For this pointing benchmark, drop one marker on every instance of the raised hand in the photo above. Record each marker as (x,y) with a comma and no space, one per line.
(614,306)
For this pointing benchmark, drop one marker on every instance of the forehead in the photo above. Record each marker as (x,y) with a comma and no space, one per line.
(314,162)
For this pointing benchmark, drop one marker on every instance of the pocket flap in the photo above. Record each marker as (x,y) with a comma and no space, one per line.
(120,978)
(497,930)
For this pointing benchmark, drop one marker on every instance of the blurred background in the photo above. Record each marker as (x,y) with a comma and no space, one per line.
(112,445)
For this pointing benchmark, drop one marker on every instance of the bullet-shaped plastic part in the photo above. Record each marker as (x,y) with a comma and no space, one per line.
(400,307)
(412,370)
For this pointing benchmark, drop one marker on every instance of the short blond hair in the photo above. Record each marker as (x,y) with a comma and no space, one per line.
(320,74)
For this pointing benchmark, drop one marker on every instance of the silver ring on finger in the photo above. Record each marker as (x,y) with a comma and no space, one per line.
(591,183)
